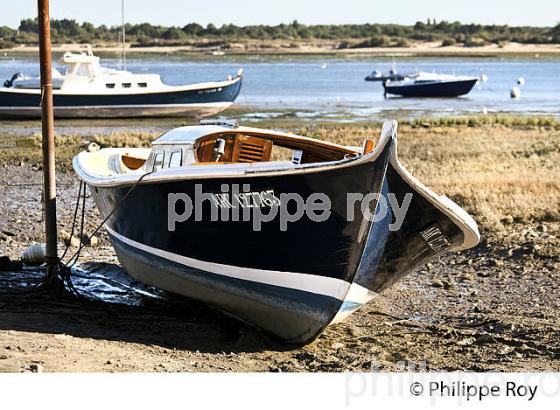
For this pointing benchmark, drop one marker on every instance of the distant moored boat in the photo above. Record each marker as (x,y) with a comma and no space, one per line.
(430,85)
(88,90)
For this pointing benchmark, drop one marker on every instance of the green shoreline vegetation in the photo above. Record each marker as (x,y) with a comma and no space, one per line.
(228,36)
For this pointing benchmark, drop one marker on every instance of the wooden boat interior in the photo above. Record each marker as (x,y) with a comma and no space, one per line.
(132,162)
(248,148)
(238,147)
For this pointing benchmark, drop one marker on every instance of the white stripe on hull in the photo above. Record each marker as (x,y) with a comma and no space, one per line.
(356,297)
(116,111)
(320,285)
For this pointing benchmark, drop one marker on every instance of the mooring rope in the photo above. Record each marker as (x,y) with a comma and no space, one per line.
(73,227)
(81,233)
(99,226)
(64,269)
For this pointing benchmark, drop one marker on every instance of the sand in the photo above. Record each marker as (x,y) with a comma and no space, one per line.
(316,47)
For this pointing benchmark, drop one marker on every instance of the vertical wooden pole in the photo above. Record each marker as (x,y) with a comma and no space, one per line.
(49,178)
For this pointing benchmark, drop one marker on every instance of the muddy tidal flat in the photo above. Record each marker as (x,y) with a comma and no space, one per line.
(493,308)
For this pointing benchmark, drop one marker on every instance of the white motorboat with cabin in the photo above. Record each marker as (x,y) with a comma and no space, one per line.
(89,90)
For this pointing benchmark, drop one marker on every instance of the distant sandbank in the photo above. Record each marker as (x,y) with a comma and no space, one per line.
(311,48)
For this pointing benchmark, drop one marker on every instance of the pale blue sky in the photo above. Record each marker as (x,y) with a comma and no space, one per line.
(243,12)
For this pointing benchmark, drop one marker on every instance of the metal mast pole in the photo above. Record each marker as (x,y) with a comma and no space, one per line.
(123,34)
(49,178)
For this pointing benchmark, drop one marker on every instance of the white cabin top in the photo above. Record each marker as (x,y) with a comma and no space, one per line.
(85,71)
(427,77)
(71,59)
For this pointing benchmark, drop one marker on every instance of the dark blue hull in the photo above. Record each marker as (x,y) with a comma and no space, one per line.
(317,255)
(434,89)
(247,273)
(205,101)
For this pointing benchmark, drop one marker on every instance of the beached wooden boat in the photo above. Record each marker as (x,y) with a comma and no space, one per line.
(291,282)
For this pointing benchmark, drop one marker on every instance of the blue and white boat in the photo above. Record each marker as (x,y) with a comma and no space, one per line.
(291,282)
(88,90)
(425,84)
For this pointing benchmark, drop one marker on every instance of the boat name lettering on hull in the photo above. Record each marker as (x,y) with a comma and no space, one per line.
(435,239)
(262,199)
(210,91)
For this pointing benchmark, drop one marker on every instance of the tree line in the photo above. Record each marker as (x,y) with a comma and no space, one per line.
(347,35)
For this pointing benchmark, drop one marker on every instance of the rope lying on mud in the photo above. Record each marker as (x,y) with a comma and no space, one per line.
(64,273)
